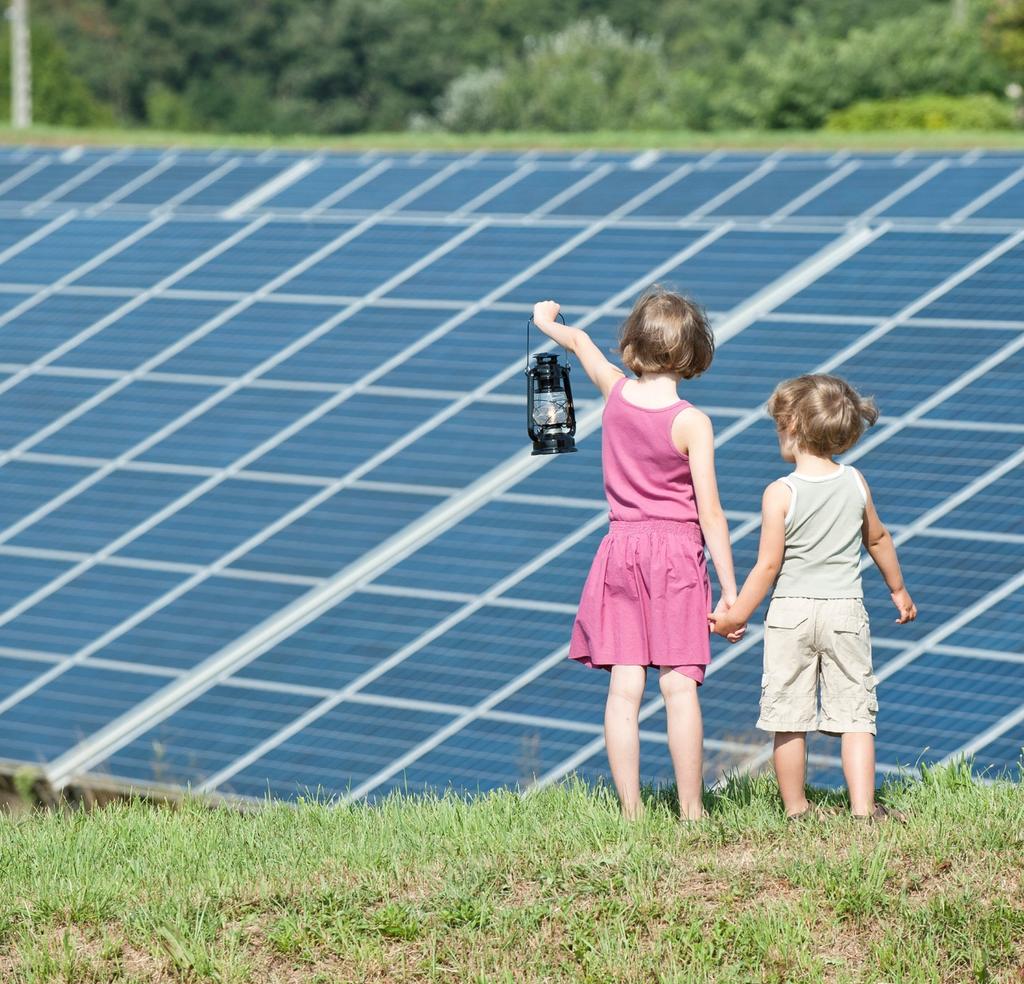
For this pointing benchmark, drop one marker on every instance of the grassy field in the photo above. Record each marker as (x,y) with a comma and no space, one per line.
(608,140)
(550,887)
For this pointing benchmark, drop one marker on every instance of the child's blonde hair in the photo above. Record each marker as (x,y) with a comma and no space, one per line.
(666,332)
(824,414)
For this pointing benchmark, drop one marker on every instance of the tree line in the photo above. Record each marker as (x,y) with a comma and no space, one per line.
(348,66)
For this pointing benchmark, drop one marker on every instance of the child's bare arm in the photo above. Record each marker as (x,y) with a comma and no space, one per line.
(694,436)
(603,374)
(878,542)
(774,505)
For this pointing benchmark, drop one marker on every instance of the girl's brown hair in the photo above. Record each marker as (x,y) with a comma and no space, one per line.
(666,332)
(825,414)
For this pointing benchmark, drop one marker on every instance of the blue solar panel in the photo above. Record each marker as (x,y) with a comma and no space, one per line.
(320,182)
(216,522)
(502,753)
(42,327)
(993,292)
(369,260)
(130,415)
(44,181)
(133,337)
(998,630)
(15,230)
(948,191)
(458,190)
(75,704)
(740,264)
(489,544)
(260,257)
(771,191)
(64,249)
(309,761)
(234,184)
(348,435)
(481,264)
(690,192)
(26,485)
(889,273)
(358,345)
(406,641)
(927,711)
(1004,756)
(608,193)
(449,668)
(158,254)
(37,401)
(100,513)
(337,533)
(995,509)
(193,744)
(85,608)
(386,187)
(747,369)
(1008,205)
(603,265)
(175,181)
(196,624)
(910,363)
(858,190)
(352,638)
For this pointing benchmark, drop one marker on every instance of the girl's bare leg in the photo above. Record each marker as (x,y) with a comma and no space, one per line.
(791,770)
(685,740)
(622,734)
(859,769)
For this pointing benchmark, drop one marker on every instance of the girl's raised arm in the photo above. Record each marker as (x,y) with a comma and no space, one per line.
(603,374)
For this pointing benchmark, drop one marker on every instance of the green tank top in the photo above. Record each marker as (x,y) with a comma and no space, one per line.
(823,536)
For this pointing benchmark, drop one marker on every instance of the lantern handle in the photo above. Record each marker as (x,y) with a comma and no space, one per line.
(529,321)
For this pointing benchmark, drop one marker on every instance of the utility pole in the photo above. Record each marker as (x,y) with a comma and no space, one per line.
(21,66)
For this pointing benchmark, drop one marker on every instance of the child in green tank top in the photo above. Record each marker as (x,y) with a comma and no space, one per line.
(814,522)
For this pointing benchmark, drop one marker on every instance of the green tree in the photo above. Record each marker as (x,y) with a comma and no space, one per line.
(59,97)
(589,76)
(799,84)
(1004,34)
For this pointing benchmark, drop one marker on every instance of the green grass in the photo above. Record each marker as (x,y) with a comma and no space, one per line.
(550,887)
(602,139)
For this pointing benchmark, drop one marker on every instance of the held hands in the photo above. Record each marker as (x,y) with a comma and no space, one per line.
(904,605)
(545,311)
(725,625)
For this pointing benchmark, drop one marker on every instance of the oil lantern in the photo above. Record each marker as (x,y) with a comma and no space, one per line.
(550,416)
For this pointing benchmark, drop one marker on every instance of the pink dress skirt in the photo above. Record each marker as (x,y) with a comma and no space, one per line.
(646,599)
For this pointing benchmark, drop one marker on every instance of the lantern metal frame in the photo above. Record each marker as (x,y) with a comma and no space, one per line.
(549,375)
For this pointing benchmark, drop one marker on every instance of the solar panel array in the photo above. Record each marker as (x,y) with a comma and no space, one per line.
(269,519)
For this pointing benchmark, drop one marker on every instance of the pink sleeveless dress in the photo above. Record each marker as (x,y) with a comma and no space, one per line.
(647,596)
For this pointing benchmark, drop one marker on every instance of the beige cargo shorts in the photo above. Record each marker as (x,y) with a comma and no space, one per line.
(812,642)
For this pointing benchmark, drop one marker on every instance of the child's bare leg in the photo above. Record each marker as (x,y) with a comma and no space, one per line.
(859,769)
(791,770)
(685,740)
(622,734)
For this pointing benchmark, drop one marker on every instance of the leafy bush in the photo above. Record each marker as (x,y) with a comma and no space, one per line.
(931,112)
(800,83)
(590,76)
(59,97)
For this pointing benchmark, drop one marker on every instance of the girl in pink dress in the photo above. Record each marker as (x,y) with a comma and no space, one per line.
(647,597)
